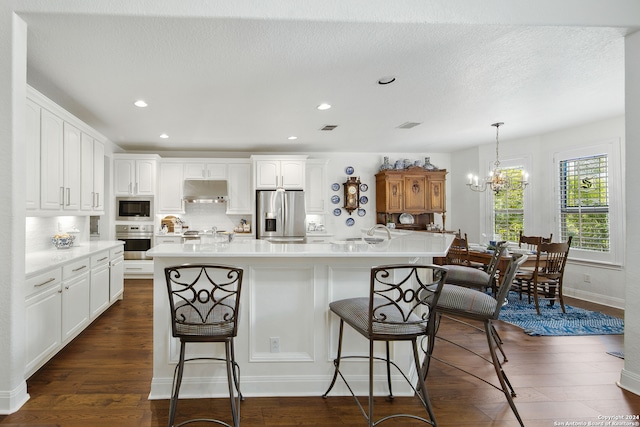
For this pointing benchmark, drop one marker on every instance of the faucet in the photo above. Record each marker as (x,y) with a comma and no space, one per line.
(384,227)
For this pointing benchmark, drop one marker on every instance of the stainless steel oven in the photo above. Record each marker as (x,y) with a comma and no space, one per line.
(138,239)
(134,208)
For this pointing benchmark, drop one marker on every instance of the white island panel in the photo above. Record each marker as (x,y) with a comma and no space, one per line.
(286,293)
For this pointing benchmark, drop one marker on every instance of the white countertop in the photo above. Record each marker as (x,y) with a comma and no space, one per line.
(37,262)
(410,244)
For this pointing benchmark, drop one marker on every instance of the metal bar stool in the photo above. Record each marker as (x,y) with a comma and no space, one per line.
(204,302)
(474,305)
(398,308)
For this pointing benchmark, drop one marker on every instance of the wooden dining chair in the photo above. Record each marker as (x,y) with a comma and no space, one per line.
(523,278)
(531,242)
(548,274)
(458,253)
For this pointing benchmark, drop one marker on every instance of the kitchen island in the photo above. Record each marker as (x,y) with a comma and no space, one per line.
(287,337)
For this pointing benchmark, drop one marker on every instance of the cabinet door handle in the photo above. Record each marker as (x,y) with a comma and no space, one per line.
(66,287)
(97,200)
(61,196)
(45,282)
(102,259)
(93,199)
(68,196)
(79,268)
(119,252)
(135,188)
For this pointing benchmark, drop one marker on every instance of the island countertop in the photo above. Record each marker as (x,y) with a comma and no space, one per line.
(410,244)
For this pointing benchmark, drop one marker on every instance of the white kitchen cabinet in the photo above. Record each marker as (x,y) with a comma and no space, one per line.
(116,273)
(168,239)
(272,173)
(72,167)
(32,153)
(51,161)
(316,190)
(135,176)
(86,181)
(98,176)
(138,269)
(43,320)
(239,188)
(92,184)
(99,289)
(205,170)
(75,298)
(170,183)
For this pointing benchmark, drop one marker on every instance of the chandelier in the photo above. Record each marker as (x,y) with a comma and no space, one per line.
(498,180)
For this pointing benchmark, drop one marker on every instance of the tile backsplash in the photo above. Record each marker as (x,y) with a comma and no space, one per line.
(39,230)
(203,216)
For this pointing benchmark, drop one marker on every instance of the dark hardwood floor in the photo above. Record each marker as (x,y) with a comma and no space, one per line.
(102,379)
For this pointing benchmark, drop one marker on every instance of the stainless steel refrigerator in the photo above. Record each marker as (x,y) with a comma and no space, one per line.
(281,216)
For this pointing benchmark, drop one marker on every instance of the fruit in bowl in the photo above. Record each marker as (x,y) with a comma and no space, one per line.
(63,240)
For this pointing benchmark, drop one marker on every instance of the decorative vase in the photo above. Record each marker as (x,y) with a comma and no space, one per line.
(428,166)
(386,165)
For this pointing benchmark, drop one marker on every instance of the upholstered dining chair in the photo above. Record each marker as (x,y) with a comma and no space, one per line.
(473,305)
(548,274)
(399,307)
(472,277)
(205,302)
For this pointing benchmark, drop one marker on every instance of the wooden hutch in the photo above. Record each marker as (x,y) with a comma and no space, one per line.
(415,191)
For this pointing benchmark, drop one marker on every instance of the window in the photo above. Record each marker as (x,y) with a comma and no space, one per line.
(589,205)
(584,202)
(508,208)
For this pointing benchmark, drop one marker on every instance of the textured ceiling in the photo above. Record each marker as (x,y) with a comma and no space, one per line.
(247,84)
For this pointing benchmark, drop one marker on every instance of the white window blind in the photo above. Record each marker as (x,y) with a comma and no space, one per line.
(584,202)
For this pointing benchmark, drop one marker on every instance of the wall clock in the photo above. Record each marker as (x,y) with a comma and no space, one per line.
(351,194)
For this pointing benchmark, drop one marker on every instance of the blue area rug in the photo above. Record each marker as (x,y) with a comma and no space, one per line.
(552,322)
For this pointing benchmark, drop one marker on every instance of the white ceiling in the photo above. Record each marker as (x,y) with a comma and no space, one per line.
(245,85)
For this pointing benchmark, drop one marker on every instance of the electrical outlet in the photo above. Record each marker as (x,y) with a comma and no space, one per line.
(586,278)
(274,344)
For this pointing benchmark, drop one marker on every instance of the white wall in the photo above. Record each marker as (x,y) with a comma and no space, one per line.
(606,284)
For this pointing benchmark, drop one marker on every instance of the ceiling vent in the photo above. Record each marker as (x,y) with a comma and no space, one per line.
(329,127)
(408,125)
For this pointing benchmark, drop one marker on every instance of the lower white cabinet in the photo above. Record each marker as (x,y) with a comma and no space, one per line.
(99,283)
(43,325)
(75,298)
(61,302)
(116,274)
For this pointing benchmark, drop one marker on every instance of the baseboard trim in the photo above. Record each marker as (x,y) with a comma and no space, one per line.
(11,401)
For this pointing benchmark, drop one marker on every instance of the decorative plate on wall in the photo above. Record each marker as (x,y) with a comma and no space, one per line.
(335,186)
(349,170)
(361,212)
(350,222)
(364,200)
(335,199)
(364,187)
(337,211)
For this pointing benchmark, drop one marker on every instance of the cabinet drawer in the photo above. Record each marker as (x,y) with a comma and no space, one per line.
(116,252)
(99,259)
(77,267)
(168,239)
(43,281)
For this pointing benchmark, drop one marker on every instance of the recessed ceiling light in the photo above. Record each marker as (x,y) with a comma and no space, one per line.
(140,103)
(386,80)
(292,137)
(164,136)
(324,106)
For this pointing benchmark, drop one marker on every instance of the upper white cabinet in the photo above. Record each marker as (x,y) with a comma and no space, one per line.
(315,187)
(135,176)
(239,188)
(32,149)
(170,182)
(64,161)
(51,164)
(205,170)
(272,172)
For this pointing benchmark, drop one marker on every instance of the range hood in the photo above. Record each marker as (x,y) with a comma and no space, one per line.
(204,191)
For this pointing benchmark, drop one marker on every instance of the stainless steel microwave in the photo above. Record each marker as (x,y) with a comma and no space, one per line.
(134,208)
